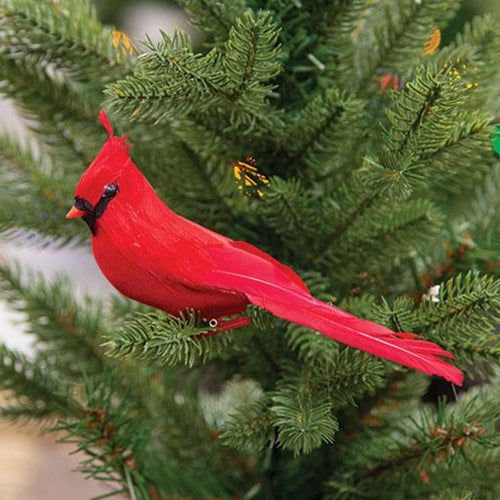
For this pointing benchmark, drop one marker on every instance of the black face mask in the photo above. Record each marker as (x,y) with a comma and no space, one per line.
(91,214)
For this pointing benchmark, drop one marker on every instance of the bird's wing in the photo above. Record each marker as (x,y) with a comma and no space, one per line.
(274,288)
(260,262)
(251,255)
(177,248)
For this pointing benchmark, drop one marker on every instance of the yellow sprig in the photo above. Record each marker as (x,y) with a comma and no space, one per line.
(433,42)
(248,178)
(123,45)
(457,73)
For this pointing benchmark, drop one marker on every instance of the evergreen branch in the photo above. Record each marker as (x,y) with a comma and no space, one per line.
(482,37)
(258,353)
(314,135)
(377,240)
(353,217)
(480,34)
(171,340)
(108,434)
(466,315)
(292,212)
(485,207)
(60,114)
(468,142)
(249,428)
(46,32)
(42,206)
(314,37)
(444,434)
(65,331)
(251,46)
(432,137)
(339,20)
(214,18)
(143,450)
(260,318)
(398,316)
(482,220)
(427,444)
(33,390)
(335,45)
(360,206)
(454,254)
(280,206)
(393,37)
(411,109)
(470,478)
(346,375)
(170,76)
(210,194)
(463,317)
(303,418)
(423,113)
(306,144)
(368,194)
(167,78)
(448,442)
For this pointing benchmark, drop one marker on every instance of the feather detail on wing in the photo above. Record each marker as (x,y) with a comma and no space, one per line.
(275,288)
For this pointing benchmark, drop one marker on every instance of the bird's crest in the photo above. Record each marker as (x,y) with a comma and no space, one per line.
(103,118)
(108,166)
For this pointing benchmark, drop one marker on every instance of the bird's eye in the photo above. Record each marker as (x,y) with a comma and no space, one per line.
(82,204)
(110,190)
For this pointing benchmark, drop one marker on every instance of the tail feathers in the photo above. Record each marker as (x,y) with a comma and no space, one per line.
(338,325)
(278,290)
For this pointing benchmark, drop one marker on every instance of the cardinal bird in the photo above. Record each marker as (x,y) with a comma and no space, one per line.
(154,256)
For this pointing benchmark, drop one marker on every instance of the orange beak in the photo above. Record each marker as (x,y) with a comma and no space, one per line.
(74,213)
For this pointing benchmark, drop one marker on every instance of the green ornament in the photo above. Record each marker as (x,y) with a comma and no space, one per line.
(496,140)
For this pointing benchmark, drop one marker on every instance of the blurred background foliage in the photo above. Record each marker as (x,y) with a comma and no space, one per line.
(371,216)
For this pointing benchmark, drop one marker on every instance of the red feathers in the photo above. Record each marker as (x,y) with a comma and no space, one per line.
(153,255)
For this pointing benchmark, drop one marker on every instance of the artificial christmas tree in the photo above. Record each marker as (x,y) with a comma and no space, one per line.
(352,140)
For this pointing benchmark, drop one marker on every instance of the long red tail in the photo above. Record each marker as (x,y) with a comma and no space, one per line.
(271,285)
(402,348)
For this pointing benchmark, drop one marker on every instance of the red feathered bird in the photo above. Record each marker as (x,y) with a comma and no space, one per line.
(152,255)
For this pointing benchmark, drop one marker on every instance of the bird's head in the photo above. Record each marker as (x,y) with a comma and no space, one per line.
(104,179)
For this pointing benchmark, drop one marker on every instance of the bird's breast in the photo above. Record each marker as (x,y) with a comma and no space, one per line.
(156,287)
